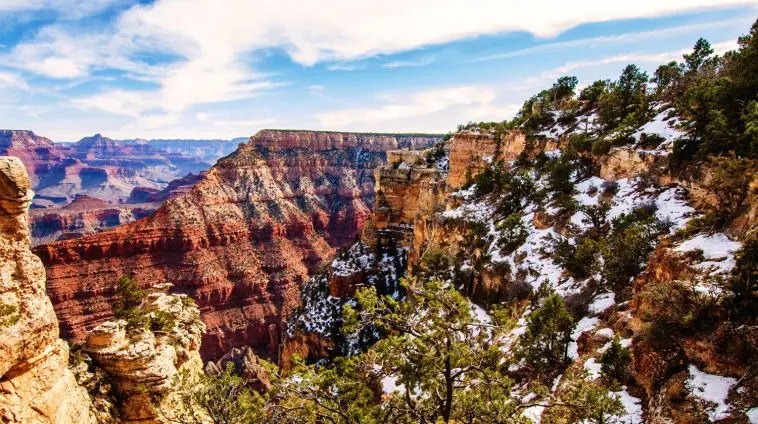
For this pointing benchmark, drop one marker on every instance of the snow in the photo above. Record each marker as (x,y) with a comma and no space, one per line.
(465,194)
(718,251)
(605,333)
(471,212)
(632,406)
(671,207)
(752,415)
(660,125)
(626,199)
(534,413)
(553,154)
(713,389)
(601,303)
(585,324)
(556,382)
(593,368)
(480,314)
(623,342)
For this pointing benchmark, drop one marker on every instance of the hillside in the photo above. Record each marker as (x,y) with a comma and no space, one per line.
(591,260)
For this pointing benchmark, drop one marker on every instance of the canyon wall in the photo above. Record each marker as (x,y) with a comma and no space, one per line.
(96,166)
(35,384)
(241,242)
(471,151)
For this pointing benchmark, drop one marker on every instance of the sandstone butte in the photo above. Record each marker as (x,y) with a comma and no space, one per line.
(241,242)
(35,384)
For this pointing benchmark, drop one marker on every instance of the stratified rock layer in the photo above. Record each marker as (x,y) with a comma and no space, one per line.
(35,383)
(241,242)
(142,364)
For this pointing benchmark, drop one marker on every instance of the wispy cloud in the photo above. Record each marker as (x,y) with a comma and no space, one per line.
(466,102)
(410,63)
(618,39)
(11,80)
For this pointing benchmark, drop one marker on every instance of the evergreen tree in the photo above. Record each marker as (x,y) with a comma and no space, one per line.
(544,344)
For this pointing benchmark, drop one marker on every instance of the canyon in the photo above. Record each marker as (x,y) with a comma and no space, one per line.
(241,242)
(99,183)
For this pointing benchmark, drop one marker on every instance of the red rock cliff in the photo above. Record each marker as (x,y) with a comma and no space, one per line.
(241,242)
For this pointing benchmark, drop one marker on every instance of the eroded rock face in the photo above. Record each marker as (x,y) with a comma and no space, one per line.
(241,242)
(142,365)
(84,215)
(35,384)
(471,151)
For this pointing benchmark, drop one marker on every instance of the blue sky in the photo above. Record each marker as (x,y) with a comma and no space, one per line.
(226,68)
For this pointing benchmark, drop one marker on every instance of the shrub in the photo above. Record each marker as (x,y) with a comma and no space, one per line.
(127,307)
(629,244)
(544,344)
(559,175)
(162,321)
(676,305)
(601,147)
(729,185)
(743,283)
(581,260)
(610,188)
(595,217)
(650,141)
(435,263)
(513,233)
(8,315)
(615,360)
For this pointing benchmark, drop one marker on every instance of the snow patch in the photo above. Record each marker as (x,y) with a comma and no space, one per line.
(713,389)
(601,303)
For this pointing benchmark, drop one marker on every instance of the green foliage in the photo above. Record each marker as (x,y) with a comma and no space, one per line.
(127,305)
(625,101)
(615,360)
(559,175)
(676,306)
(729,185)
(162,321)
(338,392)
(221,399)
(435,345)
(435,263)
(585,401)
(8,315)
(544,344)
(581,261)
(701,54)
(628,245)
(513,233)
(743,283)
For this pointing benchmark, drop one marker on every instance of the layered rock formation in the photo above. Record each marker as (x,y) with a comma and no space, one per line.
(142,364)
(99,166)
(471,151)
(38,154)
(35,384)
(84,215)
(241,242)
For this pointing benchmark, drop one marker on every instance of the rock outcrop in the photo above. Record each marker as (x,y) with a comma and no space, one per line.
(35,384)
(241,242)
(142,364)
(471,151)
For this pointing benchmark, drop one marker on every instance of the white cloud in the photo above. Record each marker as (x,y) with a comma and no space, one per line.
(457,104)
(11,80)
(410,63)
(625,38)
(207,47)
